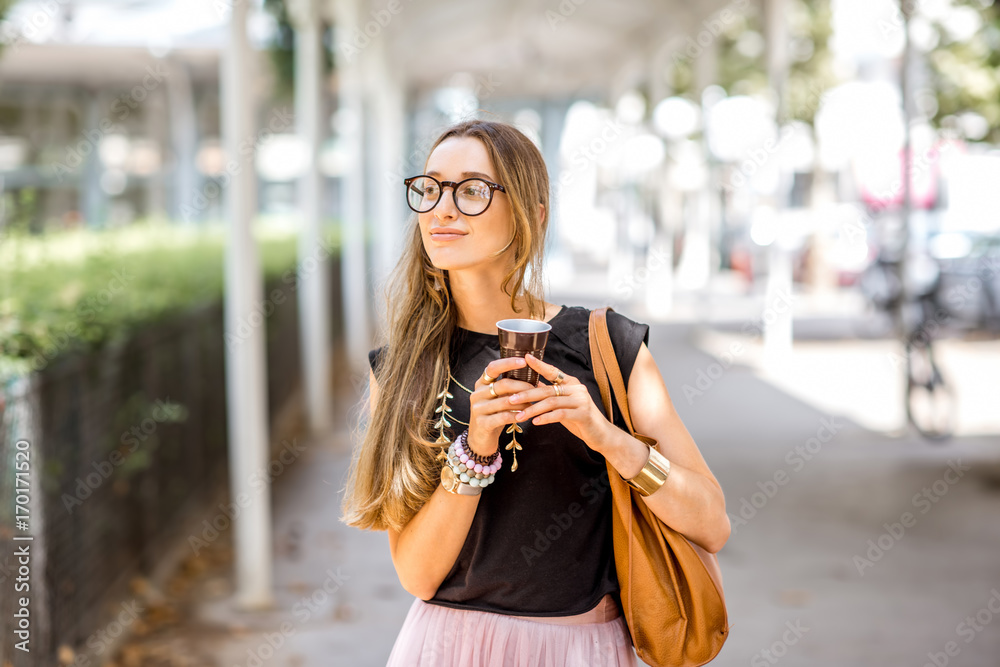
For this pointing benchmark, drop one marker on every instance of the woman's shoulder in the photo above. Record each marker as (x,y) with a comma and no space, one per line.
(627,335)
(572,316)
(375,357)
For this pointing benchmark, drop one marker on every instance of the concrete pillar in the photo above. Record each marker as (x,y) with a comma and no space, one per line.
(183,135)
(156,131)
(314,283)
(696,263)
(778,333)
(93,198)
(777,303)
(246,372)
(390,212)
(776,40)
(353,262)
(660,287)
(553,121)
(660,291)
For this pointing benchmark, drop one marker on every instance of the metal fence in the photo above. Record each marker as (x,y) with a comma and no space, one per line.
(124,443)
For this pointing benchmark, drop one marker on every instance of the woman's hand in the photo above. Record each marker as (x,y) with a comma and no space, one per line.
(573,407)
(489,415)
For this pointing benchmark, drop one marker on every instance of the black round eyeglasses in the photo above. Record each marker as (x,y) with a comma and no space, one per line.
(472,196)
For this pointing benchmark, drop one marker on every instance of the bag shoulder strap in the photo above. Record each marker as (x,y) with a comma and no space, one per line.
(607,371)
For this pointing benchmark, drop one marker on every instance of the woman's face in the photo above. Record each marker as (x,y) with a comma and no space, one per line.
(456,159)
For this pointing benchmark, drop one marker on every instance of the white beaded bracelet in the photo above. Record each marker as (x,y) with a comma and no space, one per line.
(466,469)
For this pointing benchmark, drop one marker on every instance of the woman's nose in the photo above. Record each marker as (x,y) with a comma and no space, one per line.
(445,209)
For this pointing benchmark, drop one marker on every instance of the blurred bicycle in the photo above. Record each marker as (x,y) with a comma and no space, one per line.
(930,400)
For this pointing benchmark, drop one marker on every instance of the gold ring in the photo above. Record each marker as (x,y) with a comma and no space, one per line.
(493,392)
(558,391)
(559,378)
(487,379)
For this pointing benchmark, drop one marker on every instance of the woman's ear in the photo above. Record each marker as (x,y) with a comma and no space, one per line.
(541,213)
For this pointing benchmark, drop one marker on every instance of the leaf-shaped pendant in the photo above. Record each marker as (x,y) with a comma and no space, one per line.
(514,445)
(443,423)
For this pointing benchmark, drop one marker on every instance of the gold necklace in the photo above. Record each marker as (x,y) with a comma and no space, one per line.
(443,422)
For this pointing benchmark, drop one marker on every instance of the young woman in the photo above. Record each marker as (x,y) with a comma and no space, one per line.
(510,564)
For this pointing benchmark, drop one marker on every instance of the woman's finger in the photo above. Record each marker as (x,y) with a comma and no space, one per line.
(502,388)
(542,392)
(549,372)
(498,366)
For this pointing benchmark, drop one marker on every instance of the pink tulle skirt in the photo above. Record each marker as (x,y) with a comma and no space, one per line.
(436,636)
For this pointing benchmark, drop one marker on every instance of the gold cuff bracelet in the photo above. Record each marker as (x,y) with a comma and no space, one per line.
(653,474)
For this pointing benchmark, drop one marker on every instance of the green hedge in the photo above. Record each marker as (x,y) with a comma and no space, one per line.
(86,287)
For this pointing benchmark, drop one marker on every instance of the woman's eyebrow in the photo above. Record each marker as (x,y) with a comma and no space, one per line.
(465,174)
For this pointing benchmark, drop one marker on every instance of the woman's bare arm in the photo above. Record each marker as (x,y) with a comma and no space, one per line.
(425,550)
(691,500)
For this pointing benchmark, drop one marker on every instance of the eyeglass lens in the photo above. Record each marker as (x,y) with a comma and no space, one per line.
(471,197)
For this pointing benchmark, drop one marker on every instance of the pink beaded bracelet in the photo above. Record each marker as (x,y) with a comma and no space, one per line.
(466,458)
(462,446)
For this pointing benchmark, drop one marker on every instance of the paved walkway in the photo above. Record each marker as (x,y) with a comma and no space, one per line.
(849,547)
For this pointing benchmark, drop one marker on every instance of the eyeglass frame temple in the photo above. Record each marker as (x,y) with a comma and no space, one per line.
(454,188)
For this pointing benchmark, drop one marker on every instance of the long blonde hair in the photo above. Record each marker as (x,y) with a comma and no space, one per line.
(394,470)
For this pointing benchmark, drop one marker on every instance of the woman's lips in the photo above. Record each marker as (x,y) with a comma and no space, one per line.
(446,237)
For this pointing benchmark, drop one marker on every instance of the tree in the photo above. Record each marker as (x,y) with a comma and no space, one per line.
(282,48)
(5,6)
(966,70)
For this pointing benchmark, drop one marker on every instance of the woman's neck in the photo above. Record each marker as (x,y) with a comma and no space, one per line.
(481,303)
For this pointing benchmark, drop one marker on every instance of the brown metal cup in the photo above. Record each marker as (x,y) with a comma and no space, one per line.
(519,337)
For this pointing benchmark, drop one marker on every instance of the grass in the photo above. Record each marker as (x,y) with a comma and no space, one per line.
(85,287)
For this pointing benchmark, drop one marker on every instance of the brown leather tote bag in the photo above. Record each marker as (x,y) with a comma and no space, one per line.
(671,589)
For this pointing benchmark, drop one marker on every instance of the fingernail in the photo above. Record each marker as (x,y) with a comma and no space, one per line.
(513,398)
(520,415)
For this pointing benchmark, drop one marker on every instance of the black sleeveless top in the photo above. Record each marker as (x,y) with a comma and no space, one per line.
(540,543)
